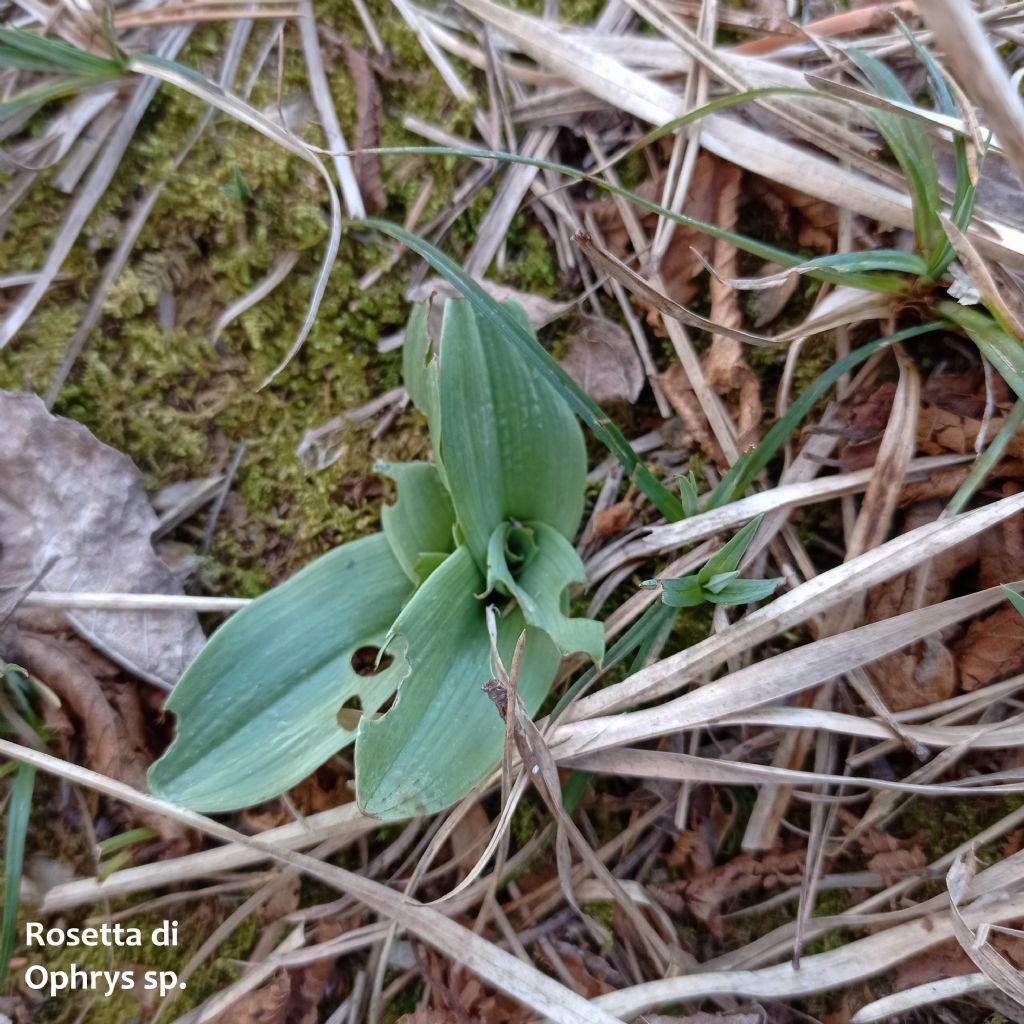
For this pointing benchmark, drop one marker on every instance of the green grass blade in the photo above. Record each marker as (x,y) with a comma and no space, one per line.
(535,354)
(987,460)
(1015,599)
(638,638)
(18,812)
(966,191)
(45,92)
(912,149)
(868,282)
(871,260)
(998,346)
(27,51)
(735,483)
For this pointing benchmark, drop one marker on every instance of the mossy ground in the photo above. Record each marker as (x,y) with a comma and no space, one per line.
(179,404)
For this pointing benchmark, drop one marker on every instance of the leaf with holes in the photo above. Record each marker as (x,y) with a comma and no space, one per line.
(444,735)
(285,684)
(258,710)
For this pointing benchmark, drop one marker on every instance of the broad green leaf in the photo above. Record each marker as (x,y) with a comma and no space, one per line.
(538,584)
(639,638)
(19,809)
(258,709)
(443,734)
(421,520)
(720,581)
(1001,349)
(536,356)
(511,446)
(419,363)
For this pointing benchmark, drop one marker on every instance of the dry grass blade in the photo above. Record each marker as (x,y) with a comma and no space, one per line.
(81,208)
(782,676)
(608,264)
(656,764)
(502,970)
(809,599)
(920,996)
(960,33)
(974,942)
(659,540)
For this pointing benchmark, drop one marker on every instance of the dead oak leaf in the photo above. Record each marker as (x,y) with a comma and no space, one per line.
(604,361)
(84,502)
(613,519)
(893,865)
(992,649)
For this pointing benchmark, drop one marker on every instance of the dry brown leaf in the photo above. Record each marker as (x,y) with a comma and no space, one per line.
(613,519)
(465,997)
(367,133)
(993,648)
(1001,551)
(584,968)
(680,266)
(893,865)
(676,388)
(469,837)
(84,502)
(724,366)
(922,674)
(427,1017)
(948,960)
(283,900)
(266,1005)
(705,896)
(310,984)
(810,222)
(604,361)
(709,1018)
(111,722)
(327,787)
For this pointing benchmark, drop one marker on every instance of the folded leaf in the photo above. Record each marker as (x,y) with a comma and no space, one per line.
(510,444)
(744,591)
(684,592)
(539,586)
(258,710)
(443,735)
(729,556)
(421,520)
(420,369)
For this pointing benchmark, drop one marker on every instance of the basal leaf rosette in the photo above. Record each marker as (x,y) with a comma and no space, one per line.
(491,520)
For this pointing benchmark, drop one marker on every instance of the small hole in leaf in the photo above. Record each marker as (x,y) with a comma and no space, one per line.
(364,661)
(349,713)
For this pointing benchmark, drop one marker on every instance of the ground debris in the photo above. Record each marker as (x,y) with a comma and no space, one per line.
(81,505)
